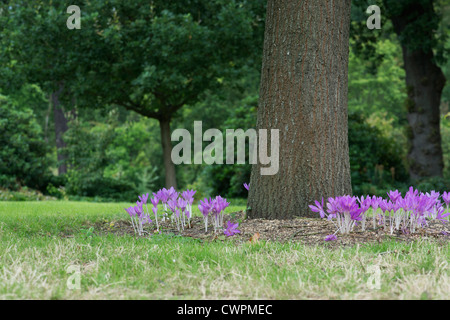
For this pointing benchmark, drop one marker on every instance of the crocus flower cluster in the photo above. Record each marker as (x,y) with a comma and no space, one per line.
(178,205)
(406,213)
(214,208)
(138,216)
(345,210)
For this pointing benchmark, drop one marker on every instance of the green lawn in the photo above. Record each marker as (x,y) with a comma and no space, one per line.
(42,243)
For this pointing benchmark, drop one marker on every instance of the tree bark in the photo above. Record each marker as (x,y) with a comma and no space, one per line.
(303,93)
(171,179)
(60,128)
(425,82)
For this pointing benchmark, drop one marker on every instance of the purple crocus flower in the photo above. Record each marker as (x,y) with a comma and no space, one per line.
(365,202)
(146,219)
(163,195)
(247,186)
(181,203)
(349,205)
(138,208)
(375,202)
(394,195)
(411,192)
(231,229)
(446,198)
(172,194)
(205,207)
(131,211)
(318,208)
(172,205)
(441,215)
(144,198)
(154,201)
(332,208)
(434,195)
(217,206)
(330,237)
(386,205)
(188,195)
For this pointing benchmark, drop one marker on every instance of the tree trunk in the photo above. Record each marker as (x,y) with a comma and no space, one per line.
(303,93)
(60,128)
(425,82)
(171,179)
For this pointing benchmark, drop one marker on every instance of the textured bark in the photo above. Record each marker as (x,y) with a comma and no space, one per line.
(60,128)
(303,93)
(171,179)
(425,82)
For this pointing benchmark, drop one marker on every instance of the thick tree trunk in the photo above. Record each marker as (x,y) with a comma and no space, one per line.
(425,82)
(60,128)
(303,93)
(171,179)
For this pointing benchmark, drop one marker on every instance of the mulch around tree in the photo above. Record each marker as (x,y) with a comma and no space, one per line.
(309,231)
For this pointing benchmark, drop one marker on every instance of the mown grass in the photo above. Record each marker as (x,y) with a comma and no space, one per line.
(35,254)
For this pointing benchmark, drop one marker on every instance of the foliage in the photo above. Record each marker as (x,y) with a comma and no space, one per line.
(227,179)
(374,158)
(173,55)
(87,160)
(383,91)
(438,184)
(363,40)
(137,48)
(23,194)
(134,151)
(424,30)
(23,156)
(149,57)
(445,134)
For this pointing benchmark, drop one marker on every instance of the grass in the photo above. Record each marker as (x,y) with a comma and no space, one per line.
(39,241)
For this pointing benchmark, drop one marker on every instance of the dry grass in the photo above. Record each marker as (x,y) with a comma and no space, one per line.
(33,265)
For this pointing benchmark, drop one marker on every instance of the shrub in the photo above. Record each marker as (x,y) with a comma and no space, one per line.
(23,153)
(437,184)
(374,159)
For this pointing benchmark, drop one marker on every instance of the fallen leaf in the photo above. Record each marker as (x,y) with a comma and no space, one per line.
(255,238)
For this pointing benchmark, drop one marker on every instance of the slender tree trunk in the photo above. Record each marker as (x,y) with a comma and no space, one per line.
(60,128)
(47,118)
(303,93)
(425,82)
(171,179)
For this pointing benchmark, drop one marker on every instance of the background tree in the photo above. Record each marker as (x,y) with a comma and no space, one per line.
(418,26)
(149,57)
(36,44)
(155,57)
(303,93)
(23,155)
